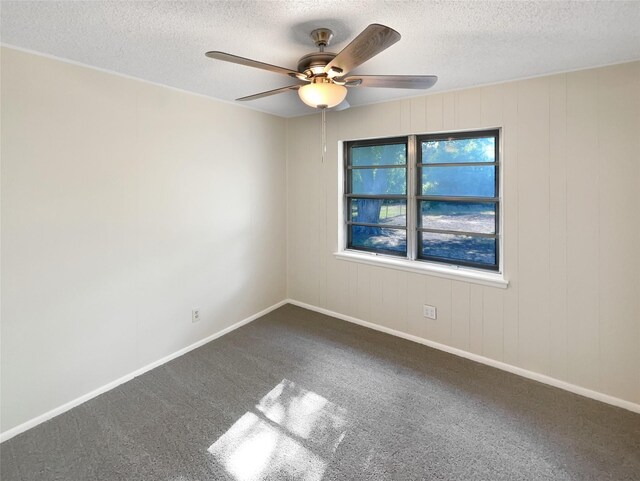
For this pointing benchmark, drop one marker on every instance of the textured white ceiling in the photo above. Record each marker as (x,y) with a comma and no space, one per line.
(465,43)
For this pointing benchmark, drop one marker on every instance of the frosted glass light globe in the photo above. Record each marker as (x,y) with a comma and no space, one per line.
(322,94)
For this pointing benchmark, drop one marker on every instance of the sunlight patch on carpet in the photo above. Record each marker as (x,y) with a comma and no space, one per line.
(292,434)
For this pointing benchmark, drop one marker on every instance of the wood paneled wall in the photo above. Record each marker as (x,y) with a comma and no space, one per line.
(571,190)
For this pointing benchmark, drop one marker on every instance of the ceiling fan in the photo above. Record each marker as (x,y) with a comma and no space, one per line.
(325,73)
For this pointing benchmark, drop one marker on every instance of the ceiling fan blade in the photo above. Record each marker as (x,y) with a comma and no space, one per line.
(391,81)
(344,105)
(227,57)
(269,92)
(371,41)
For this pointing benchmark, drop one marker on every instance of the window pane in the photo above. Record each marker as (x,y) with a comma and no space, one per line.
(379,181)
(379,238)
(481,149)
(394,154)
(469,181)
(480,250)
(379,211)
(460,216)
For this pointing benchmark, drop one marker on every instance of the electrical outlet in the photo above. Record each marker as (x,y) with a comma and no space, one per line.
(195,315)
(429,311)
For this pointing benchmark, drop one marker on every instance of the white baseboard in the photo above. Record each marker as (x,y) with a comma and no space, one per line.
(96,392)
(452,350)
(598,396)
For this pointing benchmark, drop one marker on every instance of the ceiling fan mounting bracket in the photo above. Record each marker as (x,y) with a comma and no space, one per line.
(321,37)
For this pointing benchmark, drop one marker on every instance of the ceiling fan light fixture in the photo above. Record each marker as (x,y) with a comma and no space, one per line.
(327,72)
(322,94)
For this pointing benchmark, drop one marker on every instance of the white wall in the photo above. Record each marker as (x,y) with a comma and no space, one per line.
(124,206)
(572,228)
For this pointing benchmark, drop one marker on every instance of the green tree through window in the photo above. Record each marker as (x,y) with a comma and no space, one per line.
(377,178)
(450,185)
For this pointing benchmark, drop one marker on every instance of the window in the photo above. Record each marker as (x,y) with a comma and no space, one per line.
(376,196)
(432,198)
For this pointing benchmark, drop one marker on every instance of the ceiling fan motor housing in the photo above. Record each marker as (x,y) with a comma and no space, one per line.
(313,64)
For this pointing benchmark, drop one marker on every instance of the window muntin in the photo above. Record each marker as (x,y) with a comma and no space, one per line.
(430,197)
(376,196)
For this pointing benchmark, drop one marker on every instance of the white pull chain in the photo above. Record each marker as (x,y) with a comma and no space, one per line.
(324,134)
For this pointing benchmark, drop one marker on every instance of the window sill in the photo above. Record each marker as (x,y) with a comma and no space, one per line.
(448,272)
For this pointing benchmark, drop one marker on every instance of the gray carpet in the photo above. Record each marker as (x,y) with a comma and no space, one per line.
(299,395)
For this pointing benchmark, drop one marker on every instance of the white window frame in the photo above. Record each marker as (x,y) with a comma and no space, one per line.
(411,263)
